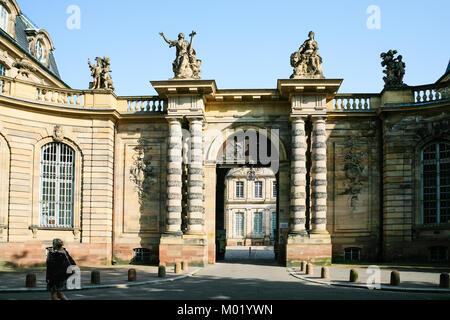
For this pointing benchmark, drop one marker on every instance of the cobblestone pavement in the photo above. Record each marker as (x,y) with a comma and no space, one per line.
(235,280)
(108,275)
(411,277)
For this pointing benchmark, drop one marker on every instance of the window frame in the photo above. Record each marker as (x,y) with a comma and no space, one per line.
(242,228)
(438,186)
(237,194)
(255,194)
(4,21)
(58,182)
(258,214)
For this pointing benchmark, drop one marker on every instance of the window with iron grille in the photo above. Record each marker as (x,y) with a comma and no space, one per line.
(257,224)
(435,184)
(239,189)
(57,180)
(274,189)
(352,254)
(438,254)
(239,225)
(274,223)
(258,189)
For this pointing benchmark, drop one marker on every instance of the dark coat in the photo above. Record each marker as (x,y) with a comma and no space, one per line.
(57,264)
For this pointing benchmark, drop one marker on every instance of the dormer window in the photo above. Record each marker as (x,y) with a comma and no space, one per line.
(4,18)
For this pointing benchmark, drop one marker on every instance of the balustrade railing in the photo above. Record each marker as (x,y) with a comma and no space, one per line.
(431,93)
(147,104)
(355,102)
(69,98)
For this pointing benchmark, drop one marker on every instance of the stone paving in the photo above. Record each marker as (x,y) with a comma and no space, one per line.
(410,277)
(10,279)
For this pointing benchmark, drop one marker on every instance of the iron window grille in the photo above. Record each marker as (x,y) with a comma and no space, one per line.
(257,224)
(352,254)
(435,184)
(56,189)
(239,225)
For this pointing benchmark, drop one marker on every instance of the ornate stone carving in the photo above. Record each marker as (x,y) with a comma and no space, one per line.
(24,68)
(186,64)
(353,172)
(58,133)
(395,69)
(101,74)
(306,61)
(141,172)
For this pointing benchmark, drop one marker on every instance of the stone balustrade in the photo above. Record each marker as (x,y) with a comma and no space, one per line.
(68,98)
(431,93)
(355,102)
(145,104)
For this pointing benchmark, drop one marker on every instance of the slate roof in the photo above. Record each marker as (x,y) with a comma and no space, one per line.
(22,42)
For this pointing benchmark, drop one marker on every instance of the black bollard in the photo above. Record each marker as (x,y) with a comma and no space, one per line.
(30,281)
(95,277)
(132,275)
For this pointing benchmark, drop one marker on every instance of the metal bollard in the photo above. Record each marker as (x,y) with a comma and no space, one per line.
(30,281)
(177,267)
(162,271)
(184,265)
(395,278)
(309,269)
(95,277)
(444,281)
(132,275)
(302,266)
(325,273)
(353,275)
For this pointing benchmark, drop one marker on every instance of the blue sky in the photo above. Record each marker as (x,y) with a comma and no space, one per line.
(245,44)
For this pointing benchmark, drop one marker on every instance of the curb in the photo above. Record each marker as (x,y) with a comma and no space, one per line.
(105,286)
(363,286)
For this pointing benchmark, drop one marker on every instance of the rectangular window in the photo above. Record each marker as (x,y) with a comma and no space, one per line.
(257,224)
(2,70)
(239,190)
(274,223)
(239,225)
(258,189)
(274,189)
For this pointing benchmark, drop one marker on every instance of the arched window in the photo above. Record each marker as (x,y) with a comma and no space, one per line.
(435,184)
(4,15)
(57,186)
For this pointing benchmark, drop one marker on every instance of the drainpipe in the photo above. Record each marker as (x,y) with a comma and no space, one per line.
(113,228)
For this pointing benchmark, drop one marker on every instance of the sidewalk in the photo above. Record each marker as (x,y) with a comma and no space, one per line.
(413,279)
(110,277)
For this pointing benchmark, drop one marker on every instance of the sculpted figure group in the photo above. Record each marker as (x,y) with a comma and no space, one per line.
(186,64)
(306,61)
(100,73)
(395,69)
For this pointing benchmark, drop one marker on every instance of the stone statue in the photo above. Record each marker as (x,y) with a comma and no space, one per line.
(186,64)
(395,69)
(306,61)
(101,74)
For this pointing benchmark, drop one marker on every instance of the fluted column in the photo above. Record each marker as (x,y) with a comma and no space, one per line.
(319,176)
(174,177)
(298,177)
(196,209)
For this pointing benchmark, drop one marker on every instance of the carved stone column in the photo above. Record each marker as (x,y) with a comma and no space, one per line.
(174,177)
(196,220)
(298,177)
(319,176)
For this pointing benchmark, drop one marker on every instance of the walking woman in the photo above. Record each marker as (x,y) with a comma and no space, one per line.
(58,260)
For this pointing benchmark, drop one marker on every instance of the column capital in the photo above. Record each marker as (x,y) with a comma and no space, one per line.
(315,118)
(298,118)
(173,118)
(193,118)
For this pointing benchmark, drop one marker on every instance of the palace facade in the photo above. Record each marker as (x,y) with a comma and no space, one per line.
(358,176)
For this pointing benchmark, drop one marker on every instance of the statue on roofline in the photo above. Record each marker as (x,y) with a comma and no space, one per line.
(395,69)
(307,62)
(186,64)
(101,74)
